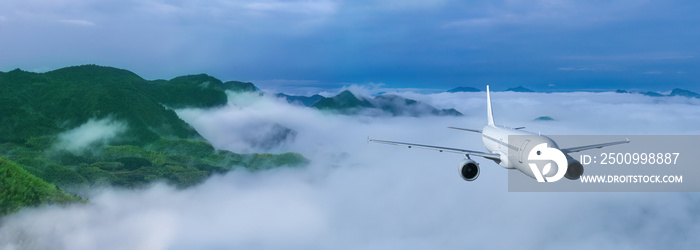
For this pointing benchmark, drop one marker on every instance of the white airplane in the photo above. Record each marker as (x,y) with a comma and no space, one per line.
(497,143)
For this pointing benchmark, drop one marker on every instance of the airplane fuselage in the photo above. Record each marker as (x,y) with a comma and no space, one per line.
(513,145)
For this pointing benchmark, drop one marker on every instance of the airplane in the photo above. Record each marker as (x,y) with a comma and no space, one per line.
(496,141)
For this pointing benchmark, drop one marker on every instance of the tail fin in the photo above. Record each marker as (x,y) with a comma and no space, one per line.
(489,112)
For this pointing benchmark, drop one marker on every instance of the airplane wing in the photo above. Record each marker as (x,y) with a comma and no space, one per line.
(466,129)
(442,149)
(581,148)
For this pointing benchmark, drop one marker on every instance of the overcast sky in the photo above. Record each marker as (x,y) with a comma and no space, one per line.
(433,44)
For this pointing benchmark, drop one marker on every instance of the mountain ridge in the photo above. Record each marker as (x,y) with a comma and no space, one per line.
(93,125)
(348,103)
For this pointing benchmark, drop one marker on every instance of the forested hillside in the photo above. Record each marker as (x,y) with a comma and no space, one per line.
(86,126)
(18,189)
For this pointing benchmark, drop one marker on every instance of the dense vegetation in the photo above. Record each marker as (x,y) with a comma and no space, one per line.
(239,87)
(36,110)
(18,189)
(181,162)
(35,104)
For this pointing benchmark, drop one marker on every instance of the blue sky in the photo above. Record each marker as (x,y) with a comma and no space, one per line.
(432,44)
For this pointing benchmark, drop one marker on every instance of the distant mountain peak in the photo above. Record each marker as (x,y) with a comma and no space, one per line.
(237,86)
(303,100)
(520,89)
(674,92)
(344,101)
(685,93)
(544,118)
(346,94)
(197,79)
(652,94)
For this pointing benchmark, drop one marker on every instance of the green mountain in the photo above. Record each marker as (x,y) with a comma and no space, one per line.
(344,102)
(399,106)
(18,189)
(102,126)
(198,91)
(240,87)
(347,103)
(303,100)
(36,104)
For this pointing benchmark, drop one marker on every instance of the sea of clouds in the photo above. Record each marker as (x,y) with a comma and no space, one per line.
(359,195)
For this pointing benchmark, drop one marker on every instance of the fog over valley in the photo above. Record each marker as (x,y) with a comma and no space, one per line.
(359,195)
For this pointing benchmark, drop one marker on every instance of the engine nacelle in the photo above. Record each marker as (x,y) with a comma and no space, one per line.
(574,169)
(469,170)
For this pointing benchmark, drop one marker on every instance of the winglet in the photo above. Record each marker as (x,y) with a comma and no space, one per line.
(488,107)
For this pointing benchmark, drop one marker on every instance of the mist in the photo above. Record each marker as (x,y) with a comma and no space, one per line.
(355,195)
(92,133)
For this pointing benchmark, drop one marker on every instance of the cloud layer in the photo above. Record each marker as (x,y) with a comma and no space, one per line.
(356,195)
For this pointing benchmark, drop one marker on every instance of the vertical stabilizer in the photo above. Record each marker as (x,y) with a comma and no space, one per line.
(488,106)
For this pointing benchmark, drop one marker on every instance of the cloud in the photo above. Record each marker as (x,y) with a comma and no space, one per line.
(323,7)
(556,14)
(356,195)
(92,133)
(406,5)
(77,22)
(633,57)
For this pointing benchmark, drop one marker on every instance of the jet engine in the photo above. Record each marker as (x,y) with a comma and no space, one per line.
(574,169)
(469,170)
